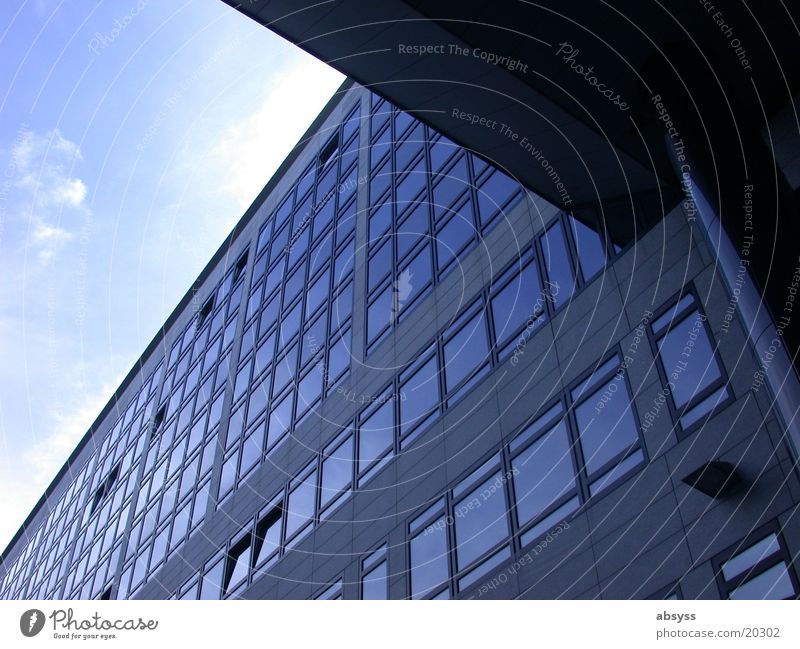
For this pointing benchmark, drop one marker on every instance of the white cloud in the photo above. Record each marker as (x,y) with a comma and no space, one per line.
(70,192)
(47,239)
(48,192)
(252,149)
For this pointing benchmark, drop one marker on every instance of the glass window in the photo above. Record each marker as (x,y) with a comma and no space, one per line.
(268,534)
(337,471)
(412,184)
(334,591)
(493,195)
(314,339)
(290,324)
(238,565)
(280,420)
(414,278)
(465,351)
(419,395)
(376,434)
(428,558)
(309,390)
(759,571)
(543,473)
(339,357)
(409,148)
(375,583)
(412,229)
(300,505)
(591,254)
(380,183)
(558,264)
(344,262)
(264,354)
(607,430)
(519,303)
(283,212)
(211,586)
(441,150)
(380,220)
(251,451)
(455,236)
(480,521)
(342,307)
(351,124)
(380,264)
(380,148)
(294,284)
(346,223)
(324,215)
(285,370)
(688,359)
(321,255)
(317,293)
(379,314)
(450,186)
(257,402)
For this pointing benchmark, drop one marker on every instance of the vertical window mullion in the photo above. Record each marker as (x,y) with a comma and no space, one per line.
(579,463)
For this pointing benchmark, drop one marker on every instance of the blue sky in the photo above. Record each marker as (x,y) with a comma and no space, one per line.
(133,135)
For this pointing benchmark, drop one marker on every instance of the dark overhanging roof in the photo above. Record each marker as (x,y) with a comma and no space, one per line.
(722,72)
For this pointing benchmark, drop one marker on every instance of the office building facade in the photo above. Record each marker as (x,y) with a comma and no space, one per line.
(404,375)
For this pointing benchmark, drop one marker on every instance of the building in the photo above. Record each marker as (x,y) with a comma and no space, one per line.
(405,375)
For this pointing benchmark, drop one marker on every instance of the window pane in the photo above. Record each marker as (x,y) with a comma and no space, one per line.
(313,339)
(301,504)
(493,194)
(317,293)
(455,235)
(428,558)
(280,419)
(591,255)
(375,583)
(518,302)
(376,435)
(409,148)
(480,520)
(451,185)
(414,227)
(558,264)
(380,220)
(342,307)
(688,358)
(240,564)
(269,530)
(606,424)
(746,559)
(290,323)
(543,473)
(379,314)
(339,357)
(414,278)
(380,264)
(337,470)
(419,395)
(308,390)
(773,583)
(212,582)
(465,351)
(411,184)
